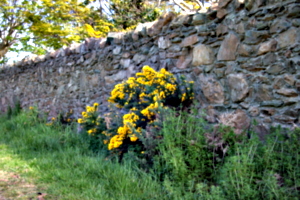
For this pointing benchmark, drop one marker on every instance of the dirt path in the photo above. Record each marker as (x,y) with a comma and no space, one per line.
(13,187)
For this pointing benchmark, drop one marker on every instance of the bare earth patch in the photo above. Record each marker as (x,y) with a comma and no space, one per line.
(13,186)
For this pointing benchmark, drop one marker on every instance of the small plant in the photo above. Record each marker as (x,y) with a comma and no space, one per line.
(93,127)
(13,111)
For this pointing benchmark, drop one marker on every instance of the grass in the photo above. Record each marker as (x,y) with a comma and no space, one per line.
(57,162)
(189,161)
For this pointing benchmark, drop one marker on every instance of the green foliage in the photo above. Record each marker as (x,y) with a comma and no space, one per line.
(14,111)
(93,128)
(183,157)
(60,163)
(128,13)
(191,166)
(46,24)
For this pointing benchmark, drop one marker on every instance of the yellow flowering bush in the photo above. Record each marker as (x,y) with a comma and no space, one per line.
(93,126)
(141,96)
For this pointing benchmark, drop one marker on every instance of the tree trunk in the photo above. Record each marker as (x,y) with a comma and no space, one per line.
(3,49)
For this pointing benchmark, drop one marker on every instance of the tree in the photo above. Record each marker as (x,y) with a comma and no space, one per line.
(47,24)
(126,14)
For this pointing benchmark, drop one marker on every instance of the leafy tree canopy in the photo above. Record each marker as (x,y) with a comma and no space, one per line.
(34,26)
(47,24)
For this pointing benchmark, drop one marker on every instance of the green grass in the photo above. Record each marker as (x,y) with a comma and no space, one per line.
(59,163)
(189,161)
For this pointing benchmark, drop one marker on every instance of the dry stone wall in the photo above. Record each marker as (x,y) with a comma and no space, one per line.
(243,56)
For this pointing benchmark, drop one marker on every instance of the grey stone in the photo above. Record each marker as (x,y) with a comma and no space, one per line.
(267,46)
(263,93)
(269,58)
(276,69)
(228,48)
(221,30)
(184,61)
(163,43)
(285,119)
(254,37)
(190,40)
(125,63)
(199,18)
(117,50)
(272,103)
(296,22)
(202,55)
(287,92)
(245,50)
(238,87)
(254,111)
(279,25)
(180,20)
(293,11)
(212,89)
(238,120)
(288,38)
(138,58)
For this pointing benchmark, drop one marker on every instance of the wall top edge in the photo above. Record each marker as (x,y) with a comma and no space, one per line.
(149,29)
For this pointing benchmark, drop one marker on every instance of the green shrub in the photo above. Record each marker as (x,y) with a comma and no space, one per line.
(93,128)
(192,166)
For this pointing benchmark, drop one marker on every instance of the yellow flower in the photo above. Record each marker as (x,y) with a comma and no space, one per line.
(30,108)
(133,138)
(90,109)
(162,95)
(90,131)
(183,97)
(96,104)
(80,121)
(53,118)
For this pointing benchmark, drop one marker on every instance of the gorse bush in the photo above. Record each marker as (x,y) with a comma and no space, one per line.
(140,97)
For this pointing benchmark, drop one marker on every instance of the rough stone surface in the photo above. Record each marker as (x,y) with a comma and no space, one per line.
(212,89)
(228,48)
(267,46)
(238,87)
(288,37)
(243,54)
(163,43)
(202,55)
(237,119)
(190,40)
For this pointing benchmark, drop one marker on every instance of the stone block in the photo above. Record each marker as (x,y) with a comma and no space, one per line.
(164,43)
(239,88)
(228,48)
(267,46)
(189,41)
(212,89)
(288,38)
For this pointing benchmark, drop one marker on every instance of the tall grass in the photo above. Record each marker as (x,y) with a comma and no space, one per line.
(190,160)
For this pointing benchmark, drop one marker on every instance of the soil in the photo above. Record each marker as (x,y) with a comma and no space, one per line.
(14,187)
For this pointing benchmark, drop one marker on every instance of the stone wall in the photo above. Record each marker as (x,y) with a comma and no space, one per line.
(243,56)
